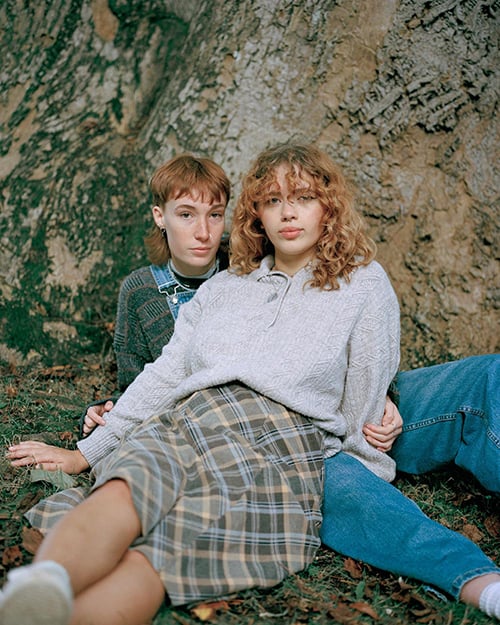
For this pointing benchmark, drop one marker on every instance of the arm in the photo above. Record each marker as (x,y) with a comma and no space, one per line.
(152,392)
(130,342)
(144,323)
(373,358)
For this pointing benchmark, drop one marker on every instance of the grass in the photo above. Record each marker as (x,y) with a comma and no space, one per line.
(334,589)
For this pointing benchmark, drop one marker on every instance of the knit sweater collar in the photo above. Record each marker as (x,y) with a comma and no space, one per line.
(266,269)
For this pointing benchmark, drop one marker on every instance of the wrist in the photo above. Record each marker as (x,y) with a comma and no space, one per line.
(80,462)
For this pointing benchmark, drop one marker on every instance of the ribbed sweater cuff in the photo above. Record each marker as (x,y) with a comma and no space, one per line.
(99,444)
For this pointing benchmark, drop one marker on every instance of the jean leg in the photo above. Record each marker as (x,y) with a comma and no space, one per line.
(370,520)
(451,414)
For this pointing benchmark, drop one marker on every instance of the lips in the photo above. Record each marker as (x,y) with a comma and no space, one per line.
(290,233)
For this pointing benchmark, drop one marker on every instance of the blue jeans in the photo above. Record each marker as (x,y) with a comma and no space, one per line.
(451,415)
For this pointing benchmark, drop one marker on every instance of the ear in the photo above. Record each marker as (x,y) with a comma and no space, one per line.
(158,216)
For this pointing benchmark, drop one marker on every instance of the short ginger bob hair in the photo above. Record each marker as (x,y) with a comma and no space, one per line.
(185,174)
(344,244)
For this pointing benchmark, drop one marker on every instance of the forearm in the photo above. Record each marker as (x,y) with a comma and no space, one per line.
(373,361)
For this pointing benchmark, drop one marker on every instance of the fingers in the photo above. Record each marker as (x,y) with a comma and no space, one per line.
(391,415)
(380,444)
(382,437)
(381,433)
(33,453)
(95,416)
(48,457)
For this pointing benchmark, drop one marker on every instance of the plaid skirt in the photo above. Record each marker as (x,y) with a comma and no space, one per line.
(228,487)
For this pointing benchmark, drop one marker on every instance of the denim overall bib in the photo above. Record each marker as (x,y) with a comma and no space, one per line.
(176,293)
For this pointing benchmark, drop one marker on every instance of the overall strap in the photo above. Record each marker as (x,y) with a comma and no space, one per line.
(176,294)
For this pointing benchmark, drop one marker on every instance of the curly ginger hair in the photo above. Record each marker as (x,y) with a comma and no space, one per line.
(344,245)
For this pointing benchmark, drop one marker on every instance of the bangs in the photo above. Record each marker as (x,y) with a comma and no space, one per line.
(198,178)
(298,179)
(200,191)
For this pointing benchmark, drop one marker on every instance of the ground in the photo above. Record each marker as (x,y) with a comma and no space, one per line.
(334,589)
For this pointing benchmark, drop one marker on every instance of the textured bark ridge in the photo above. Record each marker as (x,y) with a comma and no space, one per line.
(95,94)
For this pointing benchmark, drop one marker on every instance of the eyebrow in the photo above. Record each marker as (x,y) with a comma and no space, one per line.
(212,206)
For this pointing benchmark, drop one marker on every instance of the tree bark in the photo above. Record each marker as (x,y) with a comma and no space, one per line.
(95,95)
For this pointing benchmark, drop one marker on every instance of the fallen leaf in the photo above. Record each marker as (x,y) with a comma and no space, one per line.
(31,539)
(492,525)
(365,608)
(353,567)
(433,617)
(404,585)
(12,556)
(65,436)
(57,371)
(208,611)
(472,532)
(58,478)
(341,613)
(11,391)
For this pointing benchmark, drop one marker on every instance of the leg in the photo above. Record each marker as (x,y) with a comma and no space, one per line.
(370,520)
(133,585)
(90,540)
(451,414)
(73,557)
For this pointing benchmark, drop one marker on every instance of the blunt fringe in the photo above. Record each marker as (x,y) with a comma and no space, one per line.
(344,245)
(184,174)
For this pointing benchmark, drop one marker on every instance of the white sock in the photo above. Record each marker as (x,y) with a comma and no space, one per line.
(489,600)
(39,594)
(50,567)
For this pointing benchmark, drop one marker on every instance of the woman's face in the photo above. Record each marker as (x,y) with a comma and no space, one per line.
(292,217)
(194,231)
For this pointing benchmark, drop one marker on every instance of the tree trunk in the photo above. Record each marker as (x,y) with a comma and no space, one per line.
(95,95)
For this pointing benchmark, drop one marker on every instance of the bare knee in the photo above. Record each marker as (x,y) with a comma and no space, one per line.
(116,494)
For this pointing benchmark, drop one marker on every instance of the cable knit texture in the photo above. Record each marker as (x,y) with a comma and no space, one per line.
(329,355)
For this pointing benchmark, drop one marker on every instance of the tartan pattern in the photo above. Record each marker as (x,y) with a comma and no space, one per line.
(228,487)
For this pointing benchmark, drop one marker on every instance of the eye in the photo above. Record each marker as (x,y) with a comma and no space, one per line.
(217,216)
(272,201)
(185,215)
(306,197)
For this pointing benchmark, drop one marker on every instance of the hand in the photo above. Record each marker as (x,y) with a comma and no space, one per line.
(383,436)
(49,457)
(95,416)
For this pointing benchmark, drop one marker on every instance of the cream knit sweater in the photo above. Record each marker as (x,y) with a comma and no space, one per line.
(329,355)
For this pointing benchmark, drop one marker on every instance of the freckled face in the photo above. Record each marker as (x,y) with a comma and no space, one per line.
(292,217)
(194,231)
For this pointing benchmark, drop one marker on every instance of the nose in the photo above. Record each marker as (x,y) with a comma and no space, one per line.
(202,231)
(288,210)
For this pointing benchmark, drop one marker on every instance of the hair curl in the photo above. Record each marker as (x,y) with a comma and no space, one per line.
(184,174)
(344,244)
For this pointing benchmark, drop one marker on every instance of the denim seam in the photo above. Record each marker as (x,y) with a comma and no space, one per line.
(451,416)
(462,579)
(427,422)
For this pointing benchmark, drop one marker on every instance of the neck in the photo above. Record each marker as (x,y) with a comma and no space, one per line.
(290,266)
(205,274)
